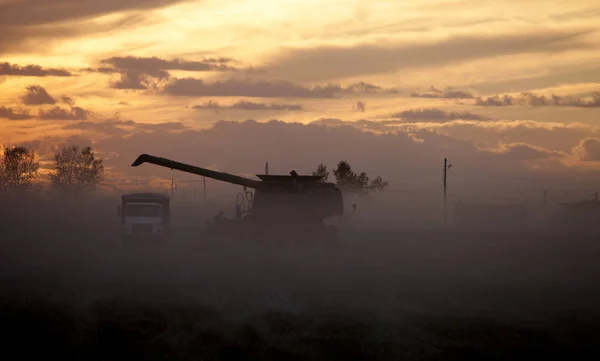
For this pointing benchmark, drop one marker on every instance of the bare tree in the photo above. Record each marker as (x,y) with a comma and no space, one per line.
(18,169)
(76,171)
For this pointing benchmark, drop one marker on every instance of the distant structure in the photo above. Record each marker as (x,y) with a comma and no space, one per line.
(496,217)
(577,217)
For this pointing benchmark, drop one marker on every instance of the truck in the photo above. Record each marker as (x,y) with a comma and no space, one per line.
(144,216)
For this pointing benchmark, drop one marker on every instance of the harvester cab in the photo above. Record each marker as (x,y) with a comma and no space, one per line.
(280,206)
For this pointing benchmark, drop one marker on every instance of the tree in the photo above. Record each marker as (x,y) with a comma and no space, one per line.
(18,169)
(378,185)
(76,171)
(350,181)
(322,171)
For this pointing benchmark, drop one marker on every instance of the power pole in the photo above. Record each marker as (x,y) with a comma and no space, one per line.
(446,167)
(267,168)
(545,198)
(204,185)
(172,183)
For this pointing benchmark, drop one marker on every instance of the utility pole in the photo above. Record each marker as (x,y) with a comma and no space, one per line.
(267,168)
(545,198)
(204,185)
(446,167)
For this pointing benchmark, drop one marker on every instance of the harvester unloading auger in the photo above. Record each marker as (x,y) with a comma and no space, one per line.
(283,207)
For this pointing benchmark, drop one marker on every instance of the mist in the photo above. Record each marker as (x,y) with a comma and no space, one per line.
(384,289)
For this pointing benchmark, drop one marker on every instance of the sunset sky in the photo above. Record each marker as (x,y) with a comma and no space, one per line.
(508,90)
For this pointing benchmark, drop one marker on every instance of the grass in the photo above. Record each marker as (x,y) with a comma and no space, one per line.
(113,329)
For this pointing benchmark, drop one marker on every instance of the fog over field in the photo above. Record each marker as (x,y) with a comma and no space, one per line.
(71,288)
(459,129)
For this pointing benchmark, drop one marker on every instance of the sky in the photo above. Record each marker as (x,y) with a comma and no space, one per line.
(508,91)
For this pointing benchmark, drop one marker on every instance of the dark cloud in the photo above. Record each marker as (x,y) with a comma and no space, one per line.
(150,65)
(67,100)
(36,12)
(119,127)
(525,152)
(7,69)
(248,88)
(58,113)
(363,87)
(495,101)
(560,136)
(382,126)
(139,73)
(401,157)
(11,114)
(297,146)
(31,26)
(555,136)
(359,106)
(434,114)
(248,105)
(589,149)
(448,93)
(143,73)
(37,95)
(338,62)
(139,80)
(593,101)
(102,70)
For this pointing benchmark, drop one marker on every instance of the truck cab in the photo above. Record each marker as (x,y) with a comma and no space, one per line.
(144,215)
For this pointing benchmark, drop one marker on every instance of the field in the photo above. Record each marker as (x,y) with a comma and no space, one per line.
(69,291)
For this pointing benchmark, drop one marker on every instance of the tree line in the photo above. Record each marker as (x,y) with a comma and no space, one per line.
(78,171)
(350,181)
(75,170)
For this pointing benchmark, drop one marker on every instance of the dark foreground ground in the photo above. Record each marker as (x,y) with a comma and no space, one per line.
(377,296)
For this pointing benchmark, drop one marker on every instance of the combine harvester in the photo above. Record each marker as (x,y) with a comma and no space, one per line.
(282,207)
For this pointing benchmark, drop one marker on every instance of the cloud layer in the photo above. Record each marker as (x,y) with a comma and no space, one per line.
(247,88)
(7,69)
(592,101)
(434,114)
(34,12)
(248,105)
(325,63)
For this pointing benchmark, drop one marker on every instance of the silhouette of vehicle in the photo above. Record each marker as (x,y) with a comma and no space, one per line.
(281,208)
(144,216)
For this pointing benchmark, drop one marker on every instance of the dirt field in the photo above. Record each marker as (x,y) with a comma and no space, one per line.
(69,290)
